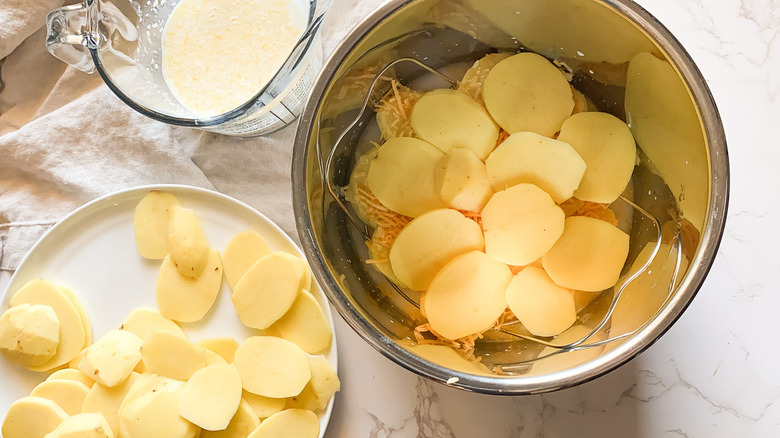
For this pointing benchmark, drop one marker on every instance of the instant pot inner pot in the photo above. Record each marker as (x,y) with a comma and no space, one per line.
(615,65)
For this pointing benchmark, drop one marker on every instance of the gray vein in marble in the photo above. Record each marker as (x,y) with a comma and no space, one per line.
(426,418)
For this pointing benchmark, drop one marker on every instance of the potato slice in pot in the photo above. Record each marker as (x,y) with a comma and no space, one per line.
(402,176)
(290,423)
(272,367)
(467,295)
(210,398)
(589,255)
(32,417)
(543,307)
(150,224)
(526,92)
(185,299)
(305,324)
(243,250)
(462,180)
(521,223)
(428,242)
(526,157)
(608,148)
(449,118)
(189,249)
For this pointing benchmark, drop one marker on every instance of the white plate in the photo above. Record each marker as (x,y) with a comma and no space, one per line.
(92,252)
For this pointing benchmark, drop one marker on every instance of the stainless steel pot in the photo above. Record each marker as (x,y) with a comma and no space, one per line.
(682,176)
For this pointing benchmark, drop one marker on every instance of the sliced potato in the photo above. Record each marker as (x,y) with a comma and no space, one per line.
(107,401)
(32,417)
(264,407)
(212,358)
(402,176)
(143,321)
(521,223)
(323,385)
(68,394)
(243,250)
(272,367)
(290,423)
(526,92)
(303,268)
(543,307)
(527,157)
(589,255)
(267,290)
(448,119)
(467,295)
(462,180)
(608,148)
(241,425)
(210,398)
(155,414)
(169,355)
(29,334)
(112,358)
(72,374)
(189,248)
(305,324)
(82,311)
(72,334)
(225,346)
(428,242)
(150,224)
(184,299)
(472,80)
(82,426)
(149,383)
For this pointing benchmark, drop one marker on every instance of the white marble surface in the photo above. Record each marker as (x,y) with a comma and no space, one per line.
(715,373)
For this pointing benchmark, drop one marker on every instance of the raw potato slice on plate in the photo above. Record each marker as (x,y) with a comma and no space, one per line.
(143,321)
(526,92)
(243,250)
(526,157)
(225,346)
(402,176)
(210,398)
(189,249)
(185,299)
(241,425)
(323,385)
(305,324)
(543,307)
(29,334)
(68,394)
(608,148)
(428,242)
(448,119)
(467,295)
(272,367)
(112,358)
(71,374)
(290,423)
(82,426)
(589,255)
(107,401)
(150,224)
(169,355)
(32,417)
(521,223)
(155,414)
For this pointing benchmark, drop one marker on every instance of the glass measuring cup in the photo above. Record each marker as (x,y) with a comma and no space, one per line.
(122,41)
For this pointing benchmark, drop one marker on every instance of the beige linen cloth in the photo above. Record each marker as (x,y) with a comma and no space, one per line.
(65,139)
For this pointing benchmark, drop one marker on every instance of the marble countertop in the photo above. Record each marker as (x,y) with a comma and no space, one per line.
(714,373)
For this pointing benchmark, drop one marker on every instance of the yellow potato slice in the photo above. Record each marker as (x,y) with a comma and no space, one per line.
(112,358)
(241,425)
(150,224)
(448,119)
(589,255)
(29,334)
(303,268)
(212,358)
(267,290)
(72,374)
(189,248)
(184,299)
(148,383)
(82,426)
(526,92)
(243,250)
(323,385)
(543,307)
(272,367)
(472,80)
(428,242)
(82,311)
(107,401)
(521,223)
(143,321)
(155,414)
(290,423)
(225,347)
(608,148)
(527,157)
(402,176)
(72,334)
(462,180)
(264,407)
(305,324)
(32,417)
(467,296)
(68,394)
(210,398)
(169,355)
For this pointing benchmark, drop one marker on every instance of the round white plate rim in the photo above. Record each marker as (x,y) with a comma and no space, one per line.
(87,210)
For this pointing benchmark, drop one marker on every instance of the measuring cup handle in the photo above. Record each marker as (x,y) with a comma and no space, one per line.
(71,31)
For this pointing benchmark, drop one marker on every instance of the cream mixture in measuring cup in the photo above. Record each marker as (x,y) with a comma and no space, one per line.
(218,54)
